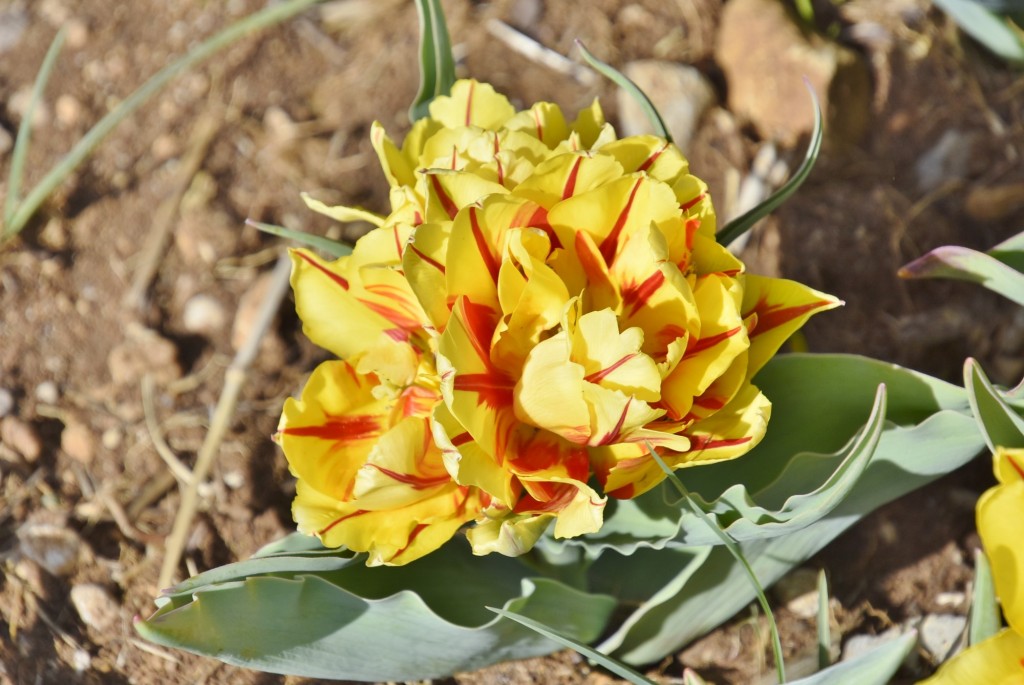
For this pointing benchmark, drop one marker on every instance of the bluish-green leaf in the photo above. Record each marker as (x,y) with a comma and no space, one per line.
(824,623)
(633,90)
(986,27)
(1000,425)
(876,667)
(985,617)
(423,620)
(741,224)
(437,66)
(965,264)
(617,667)
(1010,251)
(326,245)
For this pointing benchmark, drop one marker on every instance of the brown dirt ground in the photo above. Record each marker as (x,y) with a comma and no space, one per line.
(291,111)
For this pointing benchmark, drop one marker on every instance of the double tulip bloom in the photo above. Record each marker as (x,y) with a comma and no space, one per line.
(544,305)
(999,660)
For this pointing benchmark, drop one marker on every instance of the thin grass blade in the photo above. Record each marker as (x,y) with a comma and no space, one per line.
(25,132)
(332,247)
(83,148)
(824,624)
(737,553)
(985,621)
(622,81)
(743,223)
(617,667)
(437,66)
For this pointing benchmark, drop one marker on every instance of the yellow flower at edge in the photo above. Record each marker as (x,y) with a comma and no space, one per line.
(544,302)
(998,660)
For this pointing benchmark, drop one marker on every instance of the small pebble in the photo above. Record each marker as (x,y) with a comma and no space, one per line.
(234,479)
(81,661)
(21,437)
(97,609)
(6,402)
(204,314)
(940,633)
(47,393)
(862,644)
(77,441)
(77,34)
(950,599)
(68,109)
(112,438)
(53,547)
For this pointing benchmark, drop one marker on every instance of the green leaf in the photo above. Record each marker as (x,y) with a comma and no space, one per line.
(999,424)
(819,402)
(423,620)
(1010,252)
(965,264)
(986,27)
(824,623)
(741,224)
(622,81)
(985,616)
(877,667)
(617,667)
(332,247)
(437,66)
(25,133)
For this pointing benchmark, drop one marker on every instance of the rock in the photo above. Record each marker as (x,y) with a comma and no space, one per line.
(21,437)
(6,402)
(143,351)
(13,22)
(941,632)
(77,34)
(52,546)
(47,393)
(798,591)
(78,442)
(68,110)
(680,93)
(112,438)
(204,314)
(947,160)
(765,57)
(96,607)
(993,203)
(862,644)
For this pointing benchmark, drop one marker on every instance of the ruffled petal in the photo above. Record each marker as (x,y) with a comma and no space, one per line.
(472,103)
(999,660)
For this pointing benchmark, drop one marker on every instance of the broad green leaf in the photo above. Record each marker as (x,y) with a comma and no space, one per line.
(633,90)
(424,620)
(618,668)
(741,224)
(437,66)
(965,264)
(985,27)
(1010,251)
(877,667)
(332,247)
(999,424)
(985,617)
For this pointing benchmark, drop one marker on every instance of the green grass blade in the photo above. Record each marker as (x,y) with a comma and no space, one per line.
(622,81)
(745,222)
(617,667)
(332,247)
(985,620)
(78,154)
(824,624)
(437,66)
(25,132)
(737,553)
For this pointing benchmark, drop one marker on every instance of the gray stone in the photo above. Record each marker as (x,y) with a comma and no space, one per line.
(53,547)
(945,161)
(96,607)
(940,633)
(680,93)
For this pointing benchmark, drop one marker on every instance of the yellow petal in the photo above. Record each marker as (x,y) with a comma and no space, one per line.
(781,307)
(695,201)
(729,432)
(549,394)
(544,120)
(588,125)
(1008,464)
(397,168)
(403,467)
(654,156)
(511,536)
(1001,527)
(566,175)
(467,462)
(999,660)
(424,266)
(472,103)
(328,432)
(340,213)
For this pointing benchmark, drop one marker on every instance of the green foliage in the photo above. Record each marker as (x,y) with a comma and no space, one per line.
(824,623)
(996,32)
(332,247)
(437,66)
(998,270)
(741,224)
(986,620)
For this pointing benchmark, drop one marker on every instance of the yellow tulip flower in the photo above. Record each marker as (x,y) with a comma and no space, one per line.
(998,660)
(543,303)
